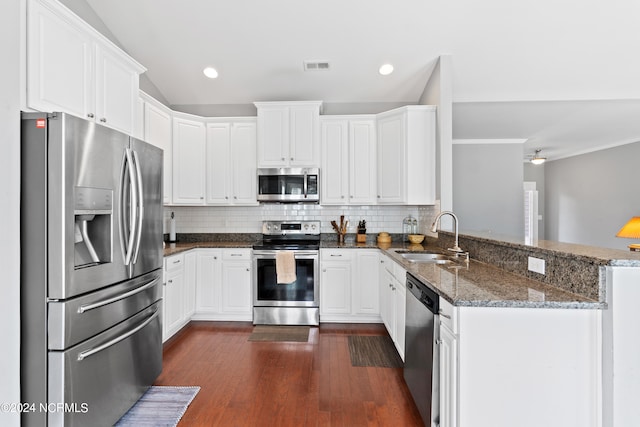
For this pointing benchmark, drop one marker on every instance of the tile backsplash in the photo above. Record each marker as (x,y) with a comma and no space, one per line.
(248,219)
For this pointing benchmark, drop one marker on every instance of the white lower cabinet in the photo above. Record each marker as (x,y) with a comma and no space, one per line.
(349,285)
(503,367)
(393,294)
(448,369)
(178,295)
(223,285)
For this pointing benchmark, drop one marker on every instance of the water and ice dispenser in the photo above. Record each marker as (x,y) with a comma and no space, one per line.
(93,213)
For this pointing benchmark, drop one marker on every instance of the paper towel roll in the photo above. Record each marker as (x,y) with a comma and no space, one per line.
(172,230)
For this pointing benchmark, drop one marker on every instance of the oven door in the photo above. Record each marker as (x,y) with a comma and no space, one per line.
(303,292)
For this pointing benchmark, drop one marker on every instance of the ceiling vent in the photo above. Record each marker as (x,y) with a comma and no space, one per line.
(316,65)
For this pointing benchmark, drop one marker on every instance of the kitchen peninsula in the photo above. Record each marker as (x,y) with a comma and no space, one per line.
(513,341)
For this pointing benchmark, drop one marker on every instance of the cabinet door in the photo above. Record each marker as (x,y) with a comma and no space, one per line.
(304,135)
(273,136)
(189,290)
(400,312)
(60,62)
(385,293)
(116,90)
(335,162)
(236,287)
(157,131)
(209,277)
(189,138)
(218,167)
(243,155)
(365,298)
(448,350)
(173,303)
(335,288)
(362,162)
(391,163)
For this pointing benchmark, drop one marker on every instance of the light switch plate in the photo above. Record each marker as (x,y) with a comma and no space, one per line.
(536,265)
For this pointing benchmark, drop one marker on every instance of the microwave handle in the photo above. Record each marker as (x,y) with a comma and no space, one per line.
(304,185)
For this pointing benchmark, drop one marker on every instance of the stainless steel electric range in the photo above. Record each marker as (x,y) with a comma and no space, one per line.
(295,303)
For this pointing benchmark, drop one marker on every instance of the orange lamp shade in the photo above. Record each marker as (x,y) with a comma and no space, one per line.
(631,230)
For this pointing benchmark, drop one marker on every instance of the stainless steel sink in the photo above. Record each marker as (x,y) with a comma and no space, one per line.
(430,257)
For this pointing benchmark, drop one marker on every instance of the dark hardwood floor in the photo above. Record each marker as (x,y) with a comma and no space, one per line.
(248,383)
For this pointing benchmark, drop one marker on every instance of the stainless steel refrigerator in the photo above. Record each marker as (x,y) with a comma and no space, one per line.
(91,278)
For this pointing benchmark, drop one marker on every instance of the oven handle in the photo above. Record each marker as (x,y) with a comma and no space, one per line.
(273,253)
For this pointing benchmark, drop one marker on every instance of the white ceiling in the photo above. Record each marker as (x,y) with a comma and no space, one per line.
(562,74)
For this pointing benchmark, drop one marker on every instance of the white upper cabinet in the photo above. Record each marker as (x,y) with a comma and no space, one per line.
(231,162)
(348,160)
(189,139)
(74,69)
(157,131)
(406,155)
(288,134)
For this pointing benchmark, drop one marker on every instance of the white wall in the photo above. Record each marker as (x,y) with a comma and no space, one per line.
(487,186)
(10,39)
(439,91)
(590,197)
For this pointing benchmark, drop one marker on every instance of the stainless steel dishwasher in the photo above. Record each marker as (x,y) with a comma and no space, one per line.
(421,355)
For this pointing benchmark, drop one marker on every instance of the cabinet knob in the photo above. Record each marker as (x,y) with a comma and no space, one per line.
(282,158)
(342,197)
(378,196)
(235,197)
(291,158)
(248,269)
(170,281)
(103,120)
(226,197)
(90,115)
(324,270)
(215,257)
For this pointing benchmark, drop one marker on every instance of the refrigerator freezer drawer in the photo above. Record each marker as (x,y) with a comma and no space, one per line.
(100,379)
(77,319)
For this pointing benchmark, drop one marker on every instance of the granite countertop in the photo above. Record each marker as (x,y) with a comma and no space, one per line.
(476,284)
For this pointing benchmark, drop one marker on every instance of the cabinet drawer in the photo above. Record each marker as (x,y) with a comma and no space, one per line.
(173,263)
(336,254)
(236,254)
(448,315)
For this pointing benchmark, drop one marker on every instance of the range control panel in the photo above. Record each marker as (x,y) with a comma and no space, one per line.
(273,228)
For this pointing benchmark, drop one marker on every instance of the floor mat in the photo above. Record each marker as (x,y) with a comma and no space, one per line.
(374,350)
(159,406)
(280,333)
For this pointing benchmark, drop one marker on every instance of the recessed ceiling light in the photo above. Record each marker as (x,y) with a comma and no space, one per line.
(386,69)
(210,72)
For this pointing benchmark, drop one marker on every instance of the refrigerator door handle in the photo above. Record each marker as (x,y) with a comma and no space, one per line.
(140,206)
(133,208)
(87,353)
(98,304)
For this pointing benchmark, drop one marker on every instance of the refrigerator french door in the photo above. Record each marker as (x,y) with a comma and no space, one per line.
(91,258)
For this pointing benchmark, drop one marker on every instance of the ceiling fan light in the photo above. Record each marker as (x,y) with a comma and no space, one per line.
(210,72)
(386,69)
(538,160)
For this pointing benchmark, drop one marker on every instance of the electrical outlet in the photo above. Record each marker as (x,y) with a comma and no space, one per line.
(536,265)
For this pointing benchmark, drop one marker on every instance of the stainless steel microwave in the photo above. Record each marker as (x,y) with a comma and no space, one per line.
(288,185)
